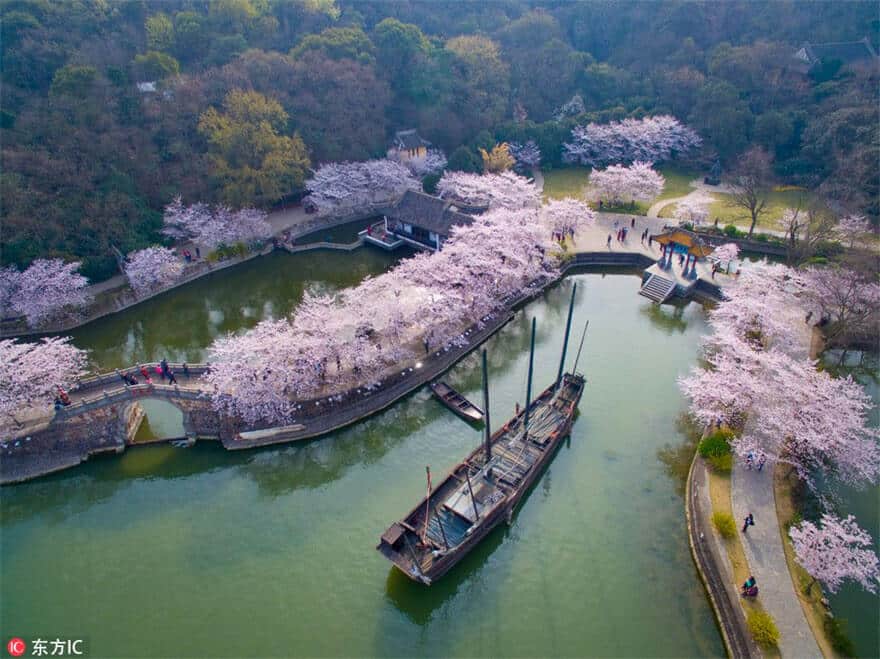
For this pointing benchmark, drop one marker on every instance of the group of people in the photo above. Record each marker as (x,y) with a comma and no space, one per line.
(750,588)
(188,256)
(560,236)
(752,461)
(621,233)
(163,370)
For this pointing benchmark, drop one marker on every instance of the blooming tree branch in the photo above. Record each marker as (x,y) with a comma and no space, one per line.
(652,139)
(30,373)
(48,289)
(836,551)
(151,268)
(618,184)
(342,186)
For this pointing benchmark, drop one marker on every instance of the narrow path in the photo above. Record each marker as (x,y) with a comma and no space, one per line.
(752,492)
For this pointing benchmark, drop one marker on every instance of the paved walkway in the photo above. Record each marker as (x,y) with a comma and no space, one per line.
(752,492)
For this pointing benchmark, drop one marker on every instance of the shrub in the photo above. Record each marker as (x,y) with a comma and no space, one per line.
(731,231)
(716,443)
(763,628)
(721,464)
(725,524)
(835,628)
(761,237)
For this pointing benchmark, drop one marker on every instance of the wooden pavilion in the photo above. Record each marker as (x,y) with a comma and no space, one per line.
(682,242)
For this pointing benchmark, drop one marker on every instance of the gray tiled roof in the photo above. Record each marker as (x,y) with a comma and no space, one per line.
(408,139)
(845,51)
(430,213)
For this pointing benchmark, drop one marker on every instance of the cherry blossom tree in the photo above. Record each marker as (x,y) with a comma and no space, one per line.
(343,186)
(694,208)
(151,268)
(758,380)
(504,190)
(527,156)
(354,338)
(652,140)
(571,108)
(215,226)
(853,229)
(726,253)
(434,162)
(30,373)
(618,184)
(565,215)
(836,551)
(48,289)
(848,300)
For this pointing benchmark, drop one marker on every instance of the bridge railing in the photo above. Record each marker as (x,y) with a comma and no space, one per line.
(103,379)
(126,393)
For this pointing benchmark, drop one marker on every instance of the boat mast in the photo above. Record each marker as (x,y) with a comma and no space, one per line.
(578,356)
(567,332)
(488,429)
(529,382)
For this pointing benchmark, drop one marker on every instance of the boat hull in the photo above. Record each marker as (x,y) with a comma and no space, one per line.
(403,555)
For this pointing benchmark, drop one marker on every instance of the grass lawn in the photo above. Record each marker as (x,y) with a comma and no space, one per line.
(719,493)
(568,182)
(769,219)
(571,182)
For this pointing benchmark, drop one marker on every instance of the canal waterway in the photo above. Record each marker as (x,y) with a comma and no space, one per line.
(201,552)
(204,553)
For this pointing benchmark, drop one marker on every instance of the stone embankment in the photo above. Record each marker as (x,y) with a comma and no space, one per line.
(118,298)
(97,421)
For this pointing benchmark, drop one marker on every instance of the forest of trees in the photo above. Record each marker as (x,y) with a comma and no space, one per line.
(248,95)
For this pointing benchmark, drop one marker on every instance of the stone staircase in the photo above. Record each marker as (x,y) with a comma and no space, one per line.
(657,288)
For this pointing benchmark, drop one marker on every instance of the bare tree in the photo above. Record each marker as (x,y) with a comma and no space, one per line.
(805,230)
(751,179)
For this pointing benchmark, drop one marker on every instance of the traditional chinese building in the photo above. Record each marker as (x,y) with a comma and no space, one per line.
(408,145)
(847,53)
(676,272)
(419,220)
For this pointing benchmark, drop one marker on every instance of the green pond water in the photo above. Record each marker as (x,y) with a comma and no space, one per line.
(204,553)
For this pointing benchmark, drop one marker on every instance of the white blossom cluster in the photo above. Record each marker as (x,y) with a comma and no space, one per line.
(339,186)
(216,226)
(47,289)
(652,139)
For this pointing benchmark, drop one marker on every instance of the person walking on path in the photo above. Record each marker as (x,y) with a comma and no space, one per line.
(750,459)
(171,378)
(609,241)
(632,224)
(749,521)
(761,460)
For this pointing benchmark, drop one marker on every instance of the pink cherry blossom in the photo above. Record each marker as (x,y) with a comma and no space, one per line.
(357,337)
(618,184)
(30,373)
(836,551)
(652,140)
(726,253)
(215,226)
(48,289)
(151,268)
(433,162)
(527,156)
(503,190)
(342,186)
(694,208)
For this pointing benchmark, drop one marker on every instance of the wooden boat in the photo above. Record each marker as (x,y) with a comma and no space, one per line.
(482,490)
(488,485)
(456,402)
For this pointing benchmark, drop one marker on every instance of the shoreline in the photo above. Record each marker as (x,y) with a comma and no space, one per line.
(25,466)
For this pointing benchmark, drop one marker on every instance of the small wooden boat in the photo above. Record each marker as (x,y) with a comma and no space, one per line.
(456,402)
(488,485)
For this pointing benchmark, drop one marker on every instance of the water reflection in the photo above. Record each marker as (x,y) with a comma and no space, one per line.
(419,603)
